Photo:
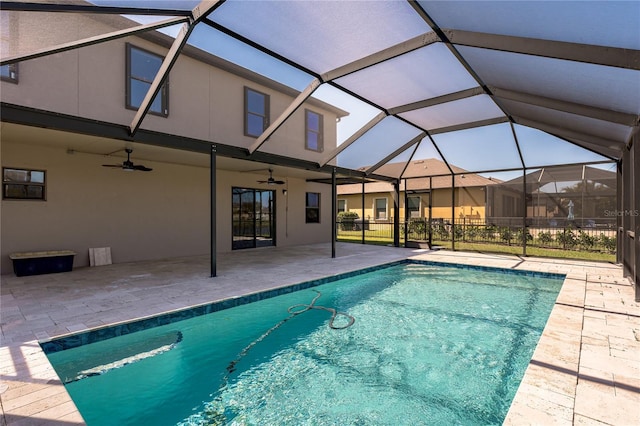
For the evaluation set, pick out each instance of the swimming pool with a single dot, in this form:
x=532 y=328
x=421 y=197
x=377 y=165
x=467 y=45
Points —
x=431 y=344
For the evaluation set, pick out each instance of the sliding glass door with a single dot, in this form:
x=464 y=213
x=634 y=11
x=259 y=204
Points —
x=253 y=218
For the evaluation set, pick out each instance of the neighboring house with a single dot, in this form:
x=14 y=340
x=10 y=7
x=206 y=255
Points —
x=57 y=195
x=576 y=195
x=469 y=193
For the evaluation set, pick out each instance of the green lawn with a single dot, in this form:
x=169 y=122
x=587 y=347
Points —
x=371 y=238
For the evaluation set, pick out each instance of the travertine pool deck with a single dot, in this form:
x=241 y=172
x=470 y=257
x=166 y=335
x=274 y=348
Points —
x=585 y=370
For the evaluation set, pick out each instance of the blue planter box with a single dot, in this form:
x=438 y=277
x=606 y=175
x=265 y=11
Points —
x=42 y=262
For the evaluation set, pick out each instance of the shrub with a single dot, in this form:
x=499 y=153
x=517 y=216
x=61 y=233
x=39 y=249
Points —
x=567 y=238
x=473 y=232
x=609 y=243
x=545 y=238
x=417 y=226
x=506 y=235
x=518 y=236
x=347 y=220
x=441 y=232
x=489 y=232
x=586 y=241
x=458 y=232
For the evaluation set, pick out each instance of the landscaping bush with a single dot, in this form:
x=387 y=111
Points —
x=609 y=243
x=441 y=232
x=473 y=232
x=545 y=238
x=586 y=241
x=347 y=220
x=518 y=236
x=489 y=232
x=506 y=235
x=567 y=238
x=458 y=232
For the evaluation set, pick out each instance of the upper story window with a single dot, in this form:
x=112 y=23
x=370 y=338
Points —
x=142 y=67
x=9 y=73
x=23 y=184
x=342 y=206
x=256 y=112
x=313 y=131
x=313 y=207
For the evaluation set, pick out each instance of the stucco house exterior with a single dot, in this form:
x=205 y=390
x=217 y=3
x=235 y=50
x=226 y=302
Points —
x=57 y=194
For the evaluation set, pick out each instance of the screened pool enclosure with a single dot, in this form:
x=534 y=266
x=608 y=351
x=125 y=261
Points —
x=521 y=92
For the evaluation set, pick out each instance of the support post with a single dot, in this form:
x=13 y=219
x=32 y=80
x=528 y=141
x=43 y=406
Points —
x=619 y=208
x=635 y=214
x=453 y=212
x=430 y=212
x=213 y=211
x=363 y=227
x=406 y=215
x=396 y=214
x=334 y=197
x=524 y=212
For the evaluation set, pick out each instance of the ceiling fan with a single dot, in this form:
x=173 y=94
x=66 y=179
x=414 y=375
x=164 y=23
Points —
x=271 y=180
x=128 y=165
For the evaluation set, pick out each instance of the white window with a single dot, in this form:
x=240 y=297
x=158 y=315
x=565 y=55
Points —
x=413 y=207
x=342 y=206
x=380 y=209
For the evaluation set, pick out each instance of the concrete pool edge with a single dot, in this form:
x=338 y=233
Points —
x=546 y=398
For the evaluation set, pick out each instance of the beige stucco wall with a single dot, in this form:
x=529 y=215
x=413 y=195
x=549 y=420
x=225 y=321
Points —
x=469 y=203
x=161 y=214
x=205 y=102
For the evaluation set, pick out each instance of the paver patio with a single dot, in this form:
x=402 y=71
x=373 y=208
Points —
x=585 y=369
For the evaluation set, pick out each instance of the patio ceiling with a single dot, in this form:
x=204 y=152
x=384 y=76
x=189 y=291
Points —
x=484 y=86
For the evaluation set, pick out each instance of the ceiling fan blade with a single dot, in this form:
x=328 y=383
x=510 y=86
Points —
x=279 y=182
x=141 y=168
x=112 y=165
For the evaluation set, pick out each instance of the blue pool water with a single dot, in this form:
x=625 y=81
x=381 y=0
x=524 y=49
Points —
x=430 y=344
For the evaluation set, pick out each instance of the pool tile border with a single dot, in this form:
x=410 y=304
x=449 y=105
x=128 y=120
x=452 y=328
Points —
x=110 y=331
